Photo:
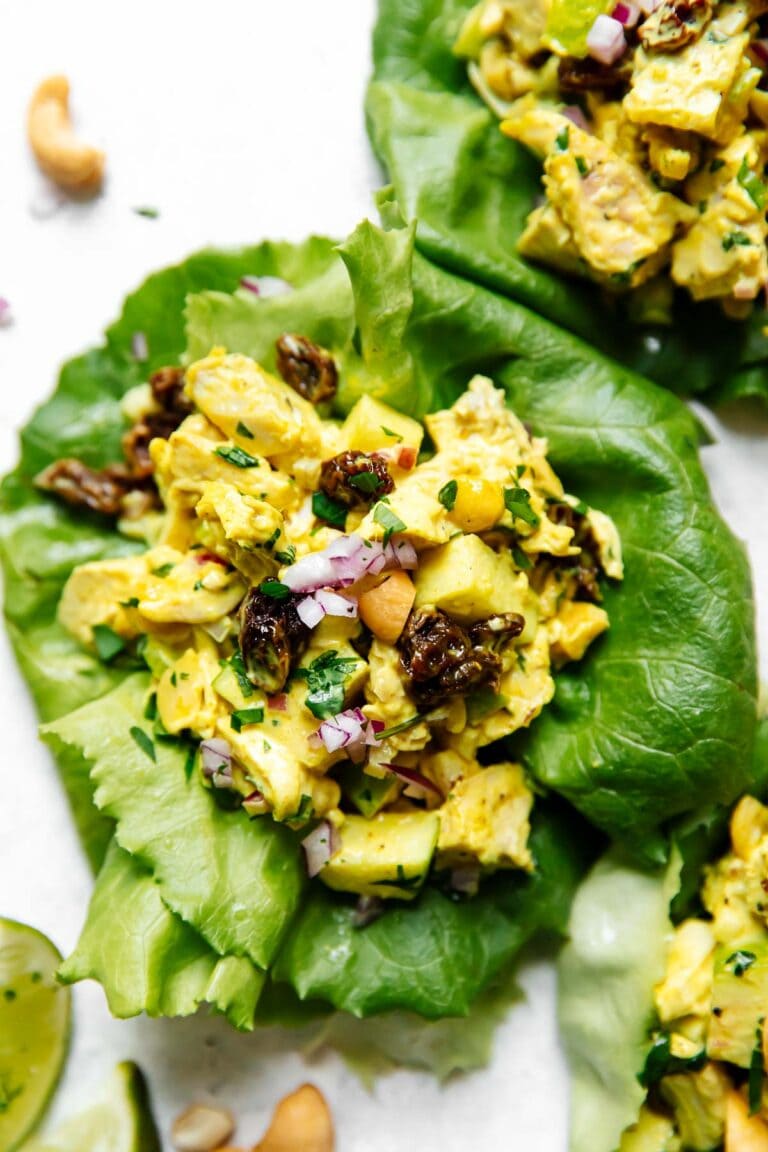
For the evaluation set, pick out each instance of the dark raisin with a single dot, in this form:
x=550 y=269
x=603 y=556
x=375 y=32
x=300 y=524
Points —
x=440 y=660
x=167 y=386
x=355 y=479
x=674 y=24
x=585 y=567
x=156 y=425
x=272 y=637
x=588 y=75
x=495 y=633
x=306 y=367
x=80 y=486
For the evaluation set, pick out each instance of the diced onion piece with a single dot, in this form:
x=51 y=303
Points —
x=216 y=755
x=265 y=286
x=219 y=629
x=310 y=573
x=400 y=553
x=627 y=12
x=319 y=846
x=372 y=730
x=411 y=776
x=466 y=879
x=573 y=113
x=605 y=40
x=367 y=909
x=334 y=605
x=310 y=612
x=345 y=730
x=759 y=48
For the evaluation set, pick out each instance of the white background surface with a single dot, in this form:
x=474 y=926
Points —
x=237 y=121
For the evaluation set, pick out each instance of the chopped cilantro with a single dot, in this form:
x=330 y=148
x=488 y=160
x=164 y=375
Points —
x=143 y=741
x=150 y=709
x=447 y=494
x=244 y=716
x=173 y=679
x=274 y=589
x=520 y=470
x=198 y=586
x=108 y=643
x=702 y=206
x=184 y=676
x=236 y=456
x=561 y=140
x=163 y=571
x=287 y=556
x=660 y=1062
x=389 y=432
x=388 y=520
x=237 y=665
x=738 y=962
x=326 y=677
x=366 y=482
x=267 y=746
x=189 y=763
x=244 y=431
x=716 y=164
x=520 y=558
x=273 y=539
x=330 y=510
x=582 y=165
x=517 y=501
x=147 y=212
x=756 y=1070
x=752 y=185
x=736 y=240
x=482 y=703
x=132 y=603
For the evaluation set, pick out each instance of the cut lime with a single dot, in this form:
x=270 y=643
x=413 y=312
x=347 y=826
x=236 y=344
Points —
x=34 y=1029
x=121 y=1122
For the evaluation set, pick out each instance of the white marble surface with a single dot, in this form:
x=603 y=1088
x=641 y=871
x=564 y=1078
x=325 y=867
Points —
x=237 y=121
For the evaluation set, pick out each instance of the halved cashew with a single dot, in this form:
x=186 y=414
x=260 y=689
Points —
x=300 y=1123
x=69 y=163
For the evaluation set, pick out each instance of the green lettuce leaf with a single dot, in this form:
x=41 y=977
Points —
x=148 y=960
x=615 y=954
x=237 y=882
x=660 y=713
x=471 y=189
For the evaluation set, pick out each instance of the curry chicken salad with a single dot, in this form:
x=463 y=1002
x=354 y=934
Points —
x=337 y=620
x=650 y=118
x=705 y=1070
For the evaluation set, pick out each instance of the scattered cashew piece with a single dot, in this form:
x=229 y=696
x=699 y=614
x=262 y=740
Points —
x=743 y=1133
x=69 y=162
x=201 y=1128
x=386 y=607
x=301 y=1122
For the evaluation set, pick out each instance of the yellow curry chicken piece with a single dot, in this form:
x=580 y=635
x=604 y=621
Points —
x=321 y=718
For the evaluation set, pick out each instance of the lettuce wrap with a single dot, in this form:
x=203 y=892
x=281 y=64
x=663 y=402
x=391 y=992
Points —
x=471 y=190
x=194 y=904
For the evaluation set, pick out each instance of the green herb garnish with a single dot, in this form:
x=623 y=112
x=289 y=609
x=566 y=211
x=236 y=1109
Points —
x=144 y=742
x=388 y=521
x=561 y=140
x=447 y=494
x=366 y=482
x=752 y=185
x=132 y=603
x=401 y=727
x=150 y=709
x=244 y=716
x=147 y=212
x=582 y=165
x=330 y=510
x=739 y=962
x=660 y=1062
x=236 y=456
x=756 y=1070
x=108 y=643
x=287 y=556
x=237 y=665
x=520 y=558
x=244 y=431
x=517 y=501
x=163 y=571
x=326 y=677
x=274 y=589
x=716 y=164
x=736 y=240
x=389 y=432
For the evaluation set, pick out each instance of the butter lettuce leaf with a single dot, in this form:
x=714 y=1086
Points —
x=236 y=881
x=148 y=960
x=471 y=189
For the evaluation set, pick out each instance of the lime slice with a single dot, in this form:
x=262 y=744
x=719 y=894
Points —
x=34 y=1029
x=121 y=1122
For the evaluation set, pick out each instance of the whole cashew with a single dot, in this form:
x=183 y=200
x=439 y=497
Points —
x=69 y=163
x=300 y=1123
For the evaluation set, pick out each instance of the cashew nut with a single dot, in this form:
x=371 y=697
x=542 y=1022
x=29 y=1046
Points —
x=69 y=163
x=300 y=1123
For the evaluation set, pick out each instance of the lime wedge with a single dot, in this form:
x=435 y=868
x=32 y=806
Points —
x=34 y=1029
x=121 y=1122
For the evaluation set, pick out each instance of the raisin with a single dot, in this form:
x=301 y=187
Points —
x=306 y=367
x=588 y=75
x=496 y=632
x=167 y=386
x=272 y=637
x=674 y=24
x=80 y=486
x=585 y=567
x=440 y=659
x=355 y=479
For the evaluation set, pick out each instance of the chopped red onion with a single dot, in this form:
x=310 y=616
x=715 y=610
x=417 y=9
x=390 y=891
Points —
x=210 y=558
x=139 y=346
x=6 y=319
x=400 y=553
x=605 y=40
x=278 y=703
x=367 y=909
x=216 y=757
x=320 y=846
x=266 y=286
x=310 y=573
x=411 y=776
x=372 y=730
x=310 y=612
x=254 y=797
x=466 y=879
x=345 y=730
x=627 y=12
x=573 y=113
x=760 y=50
x=334 y=605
